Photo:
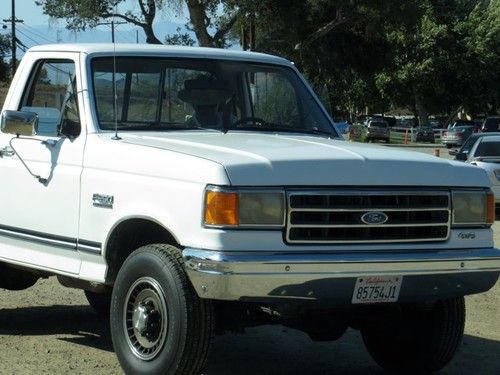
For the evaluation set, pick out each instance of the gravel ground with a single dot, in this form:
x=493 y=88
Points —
x=49 y=329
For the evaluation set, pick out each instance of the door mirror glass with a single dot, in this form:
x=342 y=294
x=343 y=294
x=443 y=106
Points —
x=19 y=123
x=461 y=156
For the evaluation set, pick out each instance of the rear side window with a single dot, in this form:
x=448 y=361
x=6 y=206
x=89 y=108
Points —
x=52 y=95
x=491 y=125
x=488 y=149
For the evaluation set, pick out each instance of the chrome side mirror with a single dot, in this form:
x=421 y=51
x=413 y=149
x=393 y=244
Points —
x=19 y=123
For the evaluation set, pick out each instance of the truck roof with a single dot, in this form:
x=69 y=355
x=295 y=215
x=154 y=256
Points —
x=160 y=50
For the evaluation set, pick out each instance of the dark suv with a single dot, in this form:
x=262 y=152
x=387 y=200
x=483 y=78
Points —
x=378 y=129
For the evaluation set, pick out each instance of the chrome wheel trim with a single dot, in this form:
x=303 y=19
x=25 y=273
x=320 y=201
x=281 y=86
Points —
x=145 y=318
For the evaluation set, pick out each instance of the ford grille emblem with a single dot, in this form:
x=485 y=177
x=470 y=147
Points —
x=374 y=218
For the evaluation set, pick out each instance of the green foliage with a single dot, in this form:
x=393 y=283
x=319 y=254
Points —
x=179 y=39
x=4 y=50
x=428 y=56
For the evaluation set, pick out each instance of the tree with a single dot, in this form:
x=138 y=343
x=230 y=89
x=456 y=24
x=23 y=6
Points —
x=4 y=48
x=337 y=44
x=204 y=16
x=180 y=38
x=423 y=62
x=481 y=44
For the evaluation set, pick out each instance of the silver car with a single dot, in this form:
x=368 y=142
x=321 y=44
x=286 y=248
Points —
x=486 y=154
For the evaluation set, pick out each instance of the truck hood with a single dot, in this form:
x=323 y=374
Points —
x=268 y=159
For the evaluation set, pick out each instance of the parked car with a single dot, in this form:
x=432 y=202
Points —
x=461 y=123
x=456 y=136
x=463 y=153
x=425 y=134
x=405 y=123
x=343 y=126
x=435 y=123
x=491 y=124
x=378 y=129
x=485 y=153
x=361 y=119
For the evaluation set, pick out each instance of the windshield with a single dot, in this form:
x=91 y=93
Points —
x=182 y=94
x=469 y=143
x=378 y=125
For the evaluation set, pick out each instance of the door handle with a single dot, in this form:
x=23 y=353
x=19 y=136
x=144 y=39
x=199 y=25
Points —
x=7 y=151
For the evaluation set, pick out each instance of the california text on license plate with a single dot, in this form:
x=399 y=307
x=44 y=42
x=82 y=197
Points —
x=376 y=289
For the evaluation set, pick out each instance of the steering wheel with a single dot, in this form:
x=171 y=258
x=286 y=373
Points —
x=255 y=120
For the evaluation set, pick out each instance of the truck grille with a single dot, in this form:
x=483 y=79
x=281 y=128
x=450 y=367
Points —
x=361 y=216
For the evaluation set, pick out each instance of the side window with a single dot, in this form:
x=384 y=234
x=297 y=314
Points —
x=52 y=95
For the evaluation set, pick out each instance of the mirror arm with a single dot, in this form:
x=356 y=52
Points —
x=39 y=178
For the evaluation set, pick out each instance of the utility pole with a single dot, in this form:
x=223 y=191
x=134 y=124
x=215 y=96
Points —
x=112 y=23
x=13 y=20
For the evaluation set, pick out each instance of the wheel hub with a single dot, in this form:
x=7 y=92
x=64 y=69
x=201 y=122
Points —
x=145 y=318
x=146 y=321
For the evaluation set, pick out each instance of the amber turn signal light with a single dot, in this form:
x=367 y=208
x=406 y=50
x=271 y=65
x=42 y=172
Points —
x=221 y=208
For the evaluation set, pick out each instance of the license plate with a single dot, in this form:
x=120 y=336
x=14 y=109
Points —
x=376 y=289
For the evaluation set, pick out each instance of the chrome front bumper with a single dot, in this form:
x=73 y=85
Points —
x=268 y=276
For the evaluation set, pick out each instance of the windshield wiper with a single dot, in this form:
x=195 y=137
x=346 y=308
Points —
x=156 y=126
x=284 y=129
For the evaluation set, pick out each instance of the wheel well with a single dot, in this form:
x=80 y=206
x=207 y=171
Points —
x=129 y=236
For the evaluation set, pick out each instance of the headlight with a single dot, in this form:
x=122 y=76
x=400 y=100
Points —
x=244 y=208
x=475 y=208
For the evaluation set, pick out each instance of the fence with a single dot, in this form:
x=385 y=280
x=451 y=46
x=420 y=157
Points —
x=398 y=135
x=403 y=135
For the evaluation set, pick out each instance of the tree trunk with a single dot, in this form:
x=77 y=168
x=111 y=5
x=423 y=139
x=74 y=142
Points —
x=423 y=114
x=198 y=17
x=150 y=35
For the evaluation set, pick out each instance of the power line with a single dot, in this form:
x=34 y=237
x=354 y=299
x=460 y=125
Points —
x=30 y=38
x=13 y=20
x=124 y=35
x=112 y=23
x=29 y=29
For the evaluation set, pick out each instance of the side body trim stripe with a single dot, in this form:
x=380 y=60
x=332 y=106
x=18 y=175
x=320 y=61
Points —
x=50 y=239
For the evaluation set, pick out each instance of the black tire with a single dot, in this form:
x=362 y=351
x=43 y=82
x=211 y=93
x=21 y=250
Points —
x=419 y=341
x=100 y=302
x=153 y=291
x=448 y=146
x=16 y=279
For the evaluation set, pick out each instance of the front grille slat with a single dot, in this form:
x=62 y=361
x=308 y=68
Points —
x=326 y=217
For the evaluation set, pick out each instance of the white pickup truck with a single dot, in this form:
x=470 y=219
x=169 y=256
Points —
x=191 y=191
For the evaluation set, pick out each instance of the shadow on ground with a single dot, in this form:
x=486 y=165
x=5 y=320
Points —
x=276 y=350
x=77 y=324
x=265 y=350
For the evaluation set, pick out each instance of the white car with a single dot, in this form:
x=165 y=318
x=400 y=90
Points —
x=486 y=154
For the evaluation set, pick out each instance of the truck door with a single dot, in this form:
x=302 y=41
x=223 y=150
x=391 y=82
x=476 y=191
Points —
x=39 y=219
